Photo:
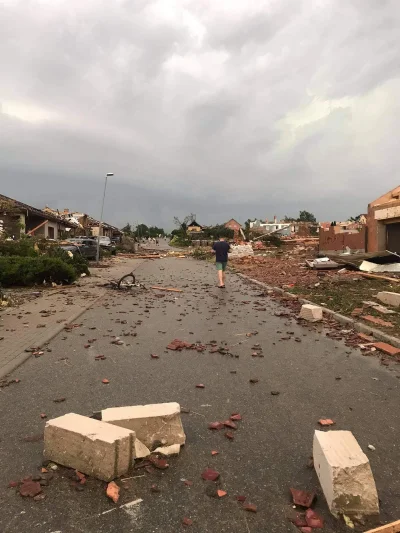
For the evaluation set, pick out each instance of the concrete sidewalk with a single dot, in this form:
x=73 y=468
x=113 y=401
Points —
x=35 y=323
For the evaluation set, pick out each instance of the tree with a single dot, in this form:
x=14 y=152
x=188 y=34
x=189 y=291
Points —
x=289 y=219
x=355 y=219
x=216 y=232
x=127 y=230
x=305 y=216
x=141 y=231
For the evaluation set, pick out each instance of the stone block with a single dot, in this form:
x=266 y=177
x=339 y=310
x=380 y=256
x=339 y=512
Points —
x=90 y=446
x=389 y=298
x=345 y=474
x=311 y=313
x=154 y=423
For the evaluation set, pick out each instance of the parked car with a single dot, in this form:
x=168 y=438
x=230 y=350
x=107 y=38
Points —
x=85 y=246
x=107 y=244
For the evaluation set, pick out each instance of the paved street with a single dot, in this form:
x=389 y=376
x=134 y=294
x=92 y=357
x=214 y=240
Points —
x=272 y=444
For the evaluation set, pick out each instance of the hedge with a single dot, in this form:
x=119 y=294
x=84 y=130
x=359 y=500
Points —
x=34 y=270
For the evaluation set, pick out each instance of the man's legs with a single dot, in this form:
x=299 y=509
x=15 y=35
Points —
x=221 y=277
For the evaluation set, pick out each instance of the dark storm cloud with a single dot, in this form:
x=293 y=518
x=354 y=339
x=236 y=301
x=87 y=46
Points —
x=224 y=108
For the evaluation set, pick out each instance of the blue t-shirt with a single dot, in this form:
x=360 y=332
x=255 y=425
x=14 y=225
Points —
x=221 y=251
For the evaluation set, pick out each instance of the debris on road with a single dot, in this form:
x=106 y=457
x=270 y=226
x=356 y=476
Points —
x=30 y=488
x=302 y=497
x=345 y=475
x=168 y=289
x=160 y=422
x=326 y=422
x=311 y=313
x=187 y=522
x=210 y=475
x=113 y=491
x=89 y=446
x=168 y=451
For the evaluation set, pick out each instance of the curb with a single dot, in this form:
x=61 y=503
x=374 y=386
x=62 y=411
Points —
x=358 y=326
x=24 y=356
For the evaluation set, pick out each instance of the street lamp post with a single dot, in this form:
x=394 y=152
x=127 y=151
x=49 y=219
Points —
x=108 y=175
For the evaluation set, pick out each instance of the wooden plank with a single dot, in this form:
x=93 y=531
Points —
x=167 y=289
x=375 y=276
x=393 y=527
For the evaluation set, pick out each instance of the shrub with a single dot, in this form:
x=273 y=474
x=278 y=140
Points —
x=78 y=262
x=21 y=248
x=34 y=270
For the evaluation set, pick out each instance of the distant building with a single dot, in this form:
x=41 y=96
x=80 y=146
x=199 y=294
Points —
x=86 y=225
x=280 y=228
x=17 y=218
x=235 y=226
x=193 y=227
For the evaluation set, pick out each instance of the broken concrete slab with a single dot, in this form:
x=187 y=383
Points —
x=140 y=450
x=311 y=313
x=389 y=298
x=160 y=422
x=345 y=474
x=168 y=451
x=90 y=446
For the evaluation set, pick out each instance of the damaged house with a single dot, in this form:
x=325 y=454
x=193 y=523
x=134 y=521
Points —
x=17 y=218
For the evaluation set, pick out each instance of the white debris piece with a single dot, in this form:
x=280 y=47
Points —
x=389 y=298
x=311 y=313
x=345 y=474
x=241 y=250
x=141 y=450
x=169 y=451
x=160 y=422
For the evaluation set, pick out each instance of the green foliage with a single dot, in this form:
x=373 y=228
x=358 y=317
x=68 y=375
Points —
x=201 y=254
x=34 y=270
x=22 y=248
x=180 y=241
x=127 y=229
x=216 y=232
x=144 y=231
x=304 y=216
x=78 y=263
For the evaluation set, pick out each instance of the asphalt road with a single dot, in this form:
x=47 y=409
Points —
x=271 y=447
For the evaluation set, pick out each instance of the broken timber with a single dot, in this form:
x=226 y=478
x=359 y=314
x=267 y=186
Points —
x=167 y=289
x=393 y=527
x=375 y=276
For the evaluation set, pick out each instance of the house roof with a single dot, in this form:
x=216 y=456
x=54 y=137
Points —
x=36 y=211
x=193 y=223
x=233 y=220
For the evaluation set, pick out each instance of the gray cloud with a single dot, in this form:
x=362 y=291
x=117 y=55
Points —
x=224 y=108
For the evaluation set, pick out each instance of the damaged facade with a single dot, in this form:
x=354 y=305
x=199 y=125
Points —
x=17 y=218
x=384 y=222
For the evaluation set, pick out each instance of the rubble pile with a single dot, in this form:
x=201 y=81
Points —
x=241 y=250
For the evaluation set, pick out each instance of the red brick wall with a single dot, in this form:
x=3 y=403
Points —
x=233 y=225
x=333 y=241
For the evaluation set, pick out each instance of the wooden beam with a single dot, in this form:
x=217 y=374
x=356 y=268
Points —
x=393 y=527
x=375 y=276
x=37 y=227
x=167 y=289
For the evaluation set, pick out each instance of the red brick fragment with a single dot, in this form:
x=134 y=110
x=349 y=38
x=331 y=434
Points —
x=313 y=520
x=216 y=425
x=230 y=424
x=229 y=435
x=367 y=338
x=387 y=348
x=241 y=498
x=325 y=422
x=378 y=321
x=236 y=416
x=30 y=488
x=302 y=497
x=251 y=508
x=187 y=522
x=210 y=475
x=200 y=386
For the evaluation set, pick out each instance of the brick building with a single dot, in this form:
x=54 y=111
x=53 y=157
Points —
x=235 y=226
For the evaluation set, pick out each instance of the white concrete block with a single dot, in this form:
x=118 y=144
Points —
x=141 y=450
x=155 y=422
x=312 y=313
x=92 y=447
x=345 y=474
x=389 y=298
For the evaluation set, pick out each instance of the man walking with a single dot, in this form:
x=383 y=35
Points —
x=221 y=249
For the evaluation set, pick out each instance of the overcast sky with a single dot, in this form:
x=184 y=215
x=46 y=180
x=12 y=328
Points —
x=224 y=108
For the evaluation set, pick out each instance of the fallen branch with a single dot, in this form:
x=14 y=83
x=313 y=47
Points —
x=167 y=289
x=393 y=527
x=375 y=276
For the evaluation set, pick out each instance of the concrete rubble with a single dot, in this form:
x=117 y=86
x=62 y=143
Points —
x=90 y=446
x=106 y=448
x=345 y=475
x=241 y=250
x=311 y=313
x=155 y=423
x=389 y=298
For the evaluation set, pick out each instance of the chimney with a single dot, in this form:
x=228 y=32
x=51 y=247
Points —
x=274 y=219
x=66 y=211
x=266 y=220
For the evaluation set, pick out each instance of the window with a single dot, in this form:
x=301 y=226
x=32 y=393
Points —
x=50 y=232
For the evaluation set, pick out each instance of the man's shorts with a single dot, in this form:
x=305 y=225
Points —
x=221 y=266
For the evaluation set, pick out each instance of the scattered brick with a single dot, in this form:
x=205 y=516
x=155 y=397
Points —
x=387 y=348
x=377 y=321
